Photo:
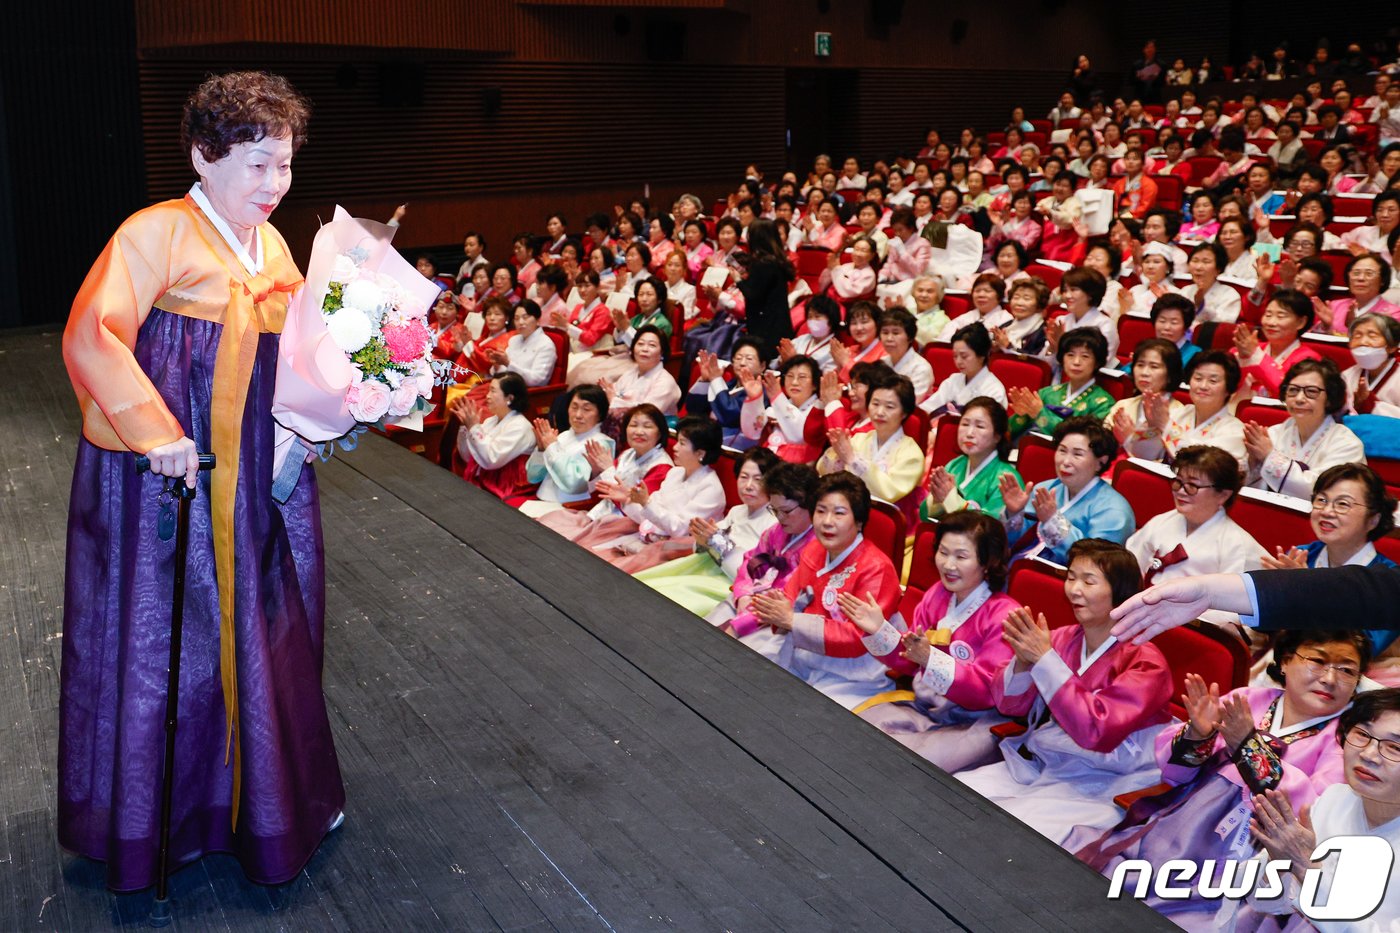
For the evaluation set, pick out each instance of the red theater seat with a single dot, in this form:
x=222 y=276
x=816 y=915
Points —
x=885 y=529
x=1146 y=485
x=1039 y=585
x=1035 y=460
x=1273 y=520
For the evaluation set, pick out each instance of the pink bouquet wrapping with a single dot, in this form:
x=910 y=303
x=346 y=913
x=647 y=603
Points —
x=355 y=347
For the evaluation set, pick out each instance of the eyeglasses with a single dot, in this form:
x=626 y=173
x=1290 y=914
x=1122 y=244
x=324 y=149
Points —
x=1340 y=506
x=1188 y=487
x=1360 y=738
x=1345 y=672
x=782 y=513
x=1310 y=392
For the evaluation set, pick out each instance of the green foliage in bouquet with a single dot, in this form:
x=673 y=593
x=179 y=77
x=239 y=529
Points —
x=373 y=358
x=333 y=301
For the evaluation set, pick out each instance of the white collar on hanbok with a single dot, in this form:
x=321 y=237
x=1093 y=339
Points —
x=252 y=264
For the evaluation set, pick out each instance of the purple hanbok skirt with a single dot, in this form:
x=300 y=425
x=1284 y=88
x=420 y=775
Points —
x=116 y=638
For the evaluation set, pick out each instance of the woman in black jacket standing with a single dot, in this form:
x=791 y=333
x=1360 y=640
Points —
x=765 y=289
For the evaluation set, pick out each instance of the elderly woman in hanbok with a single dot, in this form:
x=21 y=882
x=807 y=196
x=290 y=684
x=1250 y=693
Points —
x=654 y=527
x=953 y=649
x=646 y=380
x=565 y=464
x=1371 y=384
x=1212 y=377
x=1263 y=364
x=1156 y=371
x=1367 y=804
x=1288 y=456
x=823 y=332
x=821 y=644
x=792 y=422
x=1198 y=536
x=643 y=460
x=1027 y=300
x=650 y=298
x=863 y=326
x=1077 y=503
x=1251 y=740
x=1368 y=278
x=972 y=479
x=491 y=452
x=701 y=581
x=888 y=461
x=1351 y=510
x=1080 y=354
x=791 y=490
x=172 y=347
x=1214 y=300
x=972 y=350
x=1094 y=705
x=588 y=323
x=1154 y=272
x=850 y=281
x=721 y=399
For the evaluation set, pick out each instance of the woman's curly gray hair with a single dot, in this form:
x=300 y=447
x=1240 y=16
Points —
x=242 y=107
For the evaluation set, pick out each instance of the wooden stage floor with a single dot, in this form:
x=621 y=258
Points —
x=530 y=741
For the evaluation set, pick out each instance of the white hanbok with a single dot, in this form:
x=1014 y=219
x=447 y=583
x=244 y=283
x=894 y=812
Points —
x=1294 y=465
x=957 y=390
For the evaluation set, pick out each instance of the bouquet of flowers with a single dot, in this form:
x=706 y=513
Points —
x=355 y=347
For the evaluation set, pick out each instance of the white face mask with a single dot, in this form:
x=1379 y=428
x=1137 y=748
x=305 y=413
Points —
x=818 y=328
x=1370 y=357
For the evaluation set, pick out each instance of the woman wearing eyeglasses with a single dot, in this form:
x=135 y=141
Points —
x=1249 y=741
x=1367 y=804
x=1198 y=536
x=1286 y=457
x=1350 y=511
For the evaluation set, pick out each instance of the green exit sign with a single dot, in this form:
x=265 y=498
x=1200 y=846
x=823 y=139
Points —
x=823 y=42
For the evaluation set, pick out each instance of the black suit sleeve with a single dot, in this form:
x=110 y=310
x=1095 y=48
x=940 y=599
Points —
x=1335 y=598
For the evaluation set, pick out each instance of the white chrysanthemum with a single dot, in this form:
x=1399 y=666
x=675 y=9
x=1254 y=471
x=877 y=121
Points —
x=365 y=295
x=394 y=376
x=344 y=269
x=349 y=328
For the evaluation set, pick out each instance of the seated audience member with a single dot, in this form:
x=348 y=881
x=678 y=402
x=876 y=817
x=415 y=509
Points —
x=1027 y=300
x=1080 y=355
x=1288 y=316
x=635 y=269
x=1082 y=291
x=1095 y=705
x=678 y=290
x=847 y=411
x=1367 y=276
x=953 y=648
x=1198 y=536
x=1154 y=271
x=1249 y=741
x=600 y=260
x=495 y=336
x=1258 y=192
x=1212 y=377
x=1161 y=226
x=491 y=453
x=1008 y=261
x=722 y=400
x=1351 y=510
x=727 y=243
x=1288 y=456
x=1077 y=503
x=854 y=280
x=791 y=491
x=529 y=353
x=1374 y=237
x=655 y=526
x=701 y=581
x=897 y=332
x=1106 y=259
x=1172 y=316
x=696 y=248
x=972 y=346
x=1017 y=225
x=907 y=256
x=1134 y=193
x=887 y=460
x=505 y=285
x=863 y=325
x=924 y=301
x=551 y=288
x=1204 y=225
x=1214 y=301
x=563 y=465
x=588 y=322
x=972 y=479
x=823 y=331
x=1365 y=805
x=791 y=422
x=527 y=249
x=450 y=335
x=1063 y=230
x=1371 y=384
x=643 y=460
x=645 y=380
x=1156 y=371
x=987 y=293
x=650 y=298
x=822 y=645
x=660 y=230
x=824 y=229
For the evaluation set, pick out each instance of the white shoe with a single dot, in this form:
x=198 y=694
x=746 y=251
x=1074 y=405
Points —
x=338 y=822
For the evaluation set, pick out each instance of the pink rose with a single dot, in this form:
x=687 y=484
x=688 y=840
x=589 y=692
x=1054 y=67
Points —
x=372 y=402
x=402 y=400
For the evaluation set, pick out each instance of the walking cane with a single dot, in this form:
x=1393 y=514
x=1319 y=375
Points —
x=184 y=494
